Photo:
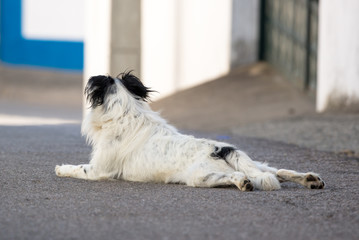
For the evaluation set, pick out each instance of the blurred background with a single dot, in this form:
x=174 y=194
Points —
x=216 y=64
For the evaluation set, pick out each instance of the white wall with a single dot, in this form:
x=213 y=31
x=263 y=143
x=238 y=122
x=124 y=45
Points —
x=53 y=19
x=338 y=56
x=245 y=32
x=97 y=38
x=184 y=42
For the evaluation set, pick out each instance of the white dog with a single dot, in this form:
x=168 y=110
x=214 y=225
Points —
x=133 y=143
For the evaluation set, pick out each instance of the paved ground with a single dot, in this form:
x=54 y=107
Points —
x=35 y=204
x=248 y=95
x=256 y=101
x=30 y=96
x=326 y=132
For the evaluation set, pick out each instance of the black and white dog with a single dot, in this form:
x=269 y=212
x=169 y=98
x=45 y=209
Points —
x=133 y=143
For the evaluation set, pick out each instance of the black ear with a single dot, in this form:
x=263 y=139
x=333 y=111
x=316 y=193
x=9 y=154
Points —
x=134 y=85
x=96 y=89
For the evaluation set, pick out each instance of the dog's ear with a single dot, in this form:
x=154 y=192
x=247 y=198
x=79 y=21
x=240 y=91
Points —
x=96 y=89
x=134 y=85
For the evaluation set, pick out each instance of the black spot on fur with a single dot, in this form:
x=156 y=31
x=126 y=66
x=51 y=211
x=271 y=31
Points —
x=85 y=171
x=96 y=89
x=222 y=153
x=134 y=86
x=205 y=179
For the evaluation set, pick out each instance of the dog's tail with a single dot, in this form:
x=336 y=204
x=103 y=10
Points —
x=265 y=181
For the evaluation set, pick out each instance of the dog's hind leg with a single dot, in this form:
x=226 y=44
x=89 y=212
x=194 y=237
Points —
x=83 y=171
x=217 y=179
x=310 y=180
x=215 y=174
x=241 y=162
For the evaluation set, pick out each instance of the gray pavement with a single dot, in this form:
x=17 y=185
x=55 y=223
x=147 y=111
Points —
x=30 y=94
x=326 y=132
x=35 y=204
x=248 y=95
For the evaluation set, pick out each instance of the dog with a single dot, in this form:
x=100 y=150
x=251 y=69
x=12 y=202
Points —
x=132 y=142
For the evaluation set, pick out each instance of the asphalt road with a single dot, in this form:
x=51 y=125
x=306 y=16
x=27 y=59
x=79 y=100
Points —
x=35 y=204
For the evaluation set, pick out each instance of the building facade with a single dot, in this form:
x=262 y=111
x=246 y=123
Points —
x=176 y=44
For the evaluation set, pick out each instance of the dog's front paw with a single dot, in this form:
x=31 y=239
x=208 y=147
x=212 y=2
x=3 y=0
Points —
x=313 y=181
x=59 y=171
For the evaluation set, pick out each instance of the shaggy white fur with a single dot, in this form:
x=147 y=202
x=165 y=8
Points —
x=132 y=142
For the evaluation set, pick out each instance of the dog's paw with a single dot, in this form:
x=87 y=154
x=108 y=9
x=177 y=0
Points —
x=58 y=171
x=313 y=181
x=245 y=185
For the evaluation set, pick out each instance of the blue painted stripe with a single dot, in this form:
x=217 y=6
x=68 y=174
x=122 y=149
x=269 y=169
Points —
x=17 y=50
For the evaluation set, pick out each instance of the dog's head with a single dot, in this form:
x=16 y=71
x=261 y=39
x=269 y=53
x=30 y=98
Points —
x=105 y=90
